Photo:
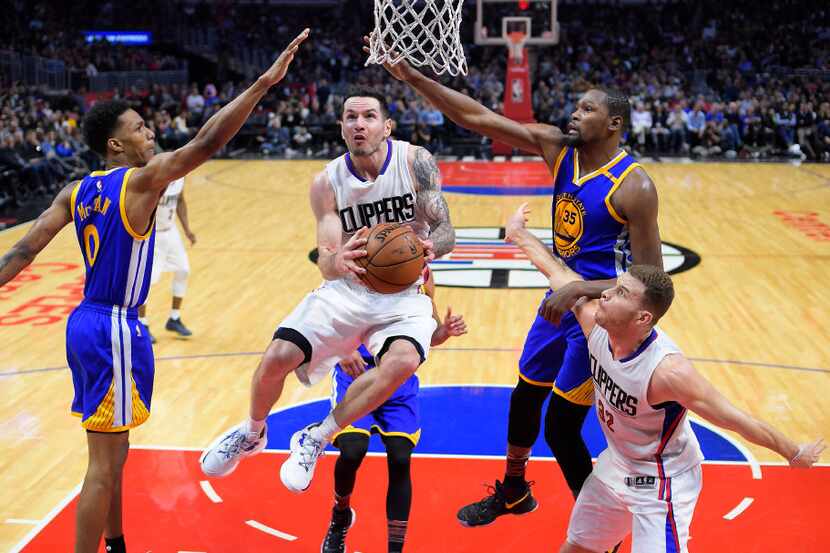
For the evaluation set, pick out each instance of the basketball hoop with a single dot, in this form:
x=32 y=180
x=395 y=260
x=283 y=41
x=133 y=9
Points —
x=516 y=42
x=424 y=32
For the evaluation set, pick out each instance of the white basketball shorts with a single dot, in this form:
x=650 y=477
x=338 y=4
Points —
x=656 y=512
x=333 y=320
x=169 y=255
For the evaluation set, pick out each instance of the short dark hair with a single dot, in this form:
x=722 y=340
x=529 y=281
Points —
x=618 y=105
x=100 y=122
x=659 y=291
x=356 y=91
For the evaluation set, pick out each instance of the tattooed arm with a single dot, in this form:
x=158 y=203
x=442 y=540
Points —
x=430 y=205
x=50 y=222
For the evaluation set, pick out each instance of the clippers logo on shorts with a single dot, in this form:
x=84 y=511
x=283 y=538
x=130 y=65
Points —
x=568 y=224
x=641 y=482
x=396 y=209
x=481 y=259
x=615 y=395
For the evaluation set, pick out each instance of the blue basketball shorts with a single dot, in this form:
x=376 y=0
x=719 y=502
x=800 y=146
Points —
x=557 y=356
x=111 y=359
x=397 y=416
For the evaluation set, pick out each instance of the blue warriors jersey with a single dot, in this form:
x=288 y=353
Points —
x=588 y=233
x=107 y=348
x=592 y=238
x=118 y=259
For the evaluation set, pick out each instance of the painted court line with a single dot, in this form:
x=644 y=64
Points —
x=754 y=465
x=209 y=491
x=46 y=520
x=739 y=508
x=269 y=530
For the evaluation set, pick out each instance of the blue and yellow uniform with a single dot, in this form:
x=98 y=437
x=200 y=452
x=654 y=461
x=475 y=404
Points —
x=592 y=239
x=397 y=416
x=108 y=350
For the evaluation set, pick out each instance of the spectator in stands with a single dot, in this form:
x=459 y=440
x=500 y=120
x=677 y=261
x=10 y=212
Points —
x=641 y=123
x=195 y=101
x=806 y=129
x=678 y=122
x=660 y=131
x=696 y=125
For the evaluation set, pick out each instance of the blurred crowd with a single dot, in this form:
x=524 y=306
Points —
x=707 y=79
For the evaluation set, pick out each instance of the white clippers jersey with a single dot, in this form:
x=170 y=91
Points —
x=642 y=440
x=388 y=199
x=166 y=211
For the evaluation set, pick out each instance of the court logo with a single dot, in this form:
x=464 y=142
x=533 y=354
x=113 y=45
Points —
x=568 y=224
x=481 y=259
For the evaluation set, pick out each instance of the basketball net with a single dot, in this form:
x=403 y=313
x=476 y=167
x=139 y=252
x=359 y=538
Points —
x=424 y=32
x=516 y=43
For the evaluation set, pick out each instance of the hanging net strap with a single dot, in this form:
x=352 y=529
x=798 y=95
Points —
x=424 y=32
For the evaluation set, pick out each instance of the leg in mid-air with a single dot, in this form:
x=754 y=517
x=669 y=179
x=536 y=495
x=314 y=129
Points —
x=398 y=360
x=250 y=437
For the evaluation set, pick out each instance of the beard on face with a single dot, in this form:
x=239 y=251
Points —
x=573 y=140
x=365 y=150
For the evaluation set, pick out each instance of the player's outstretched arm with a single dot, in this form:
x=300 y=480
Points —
x=543 y=140
x=676 y=379
x=46 y=226
x=336 y=259
x=430 y=205
x=218 y=130
x=553 y=267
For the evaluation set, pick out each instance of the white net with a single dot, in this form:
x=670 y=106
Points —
x=424 y=32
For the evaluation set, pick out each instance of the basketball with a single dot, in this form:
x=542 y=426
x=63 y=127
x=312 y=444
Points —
x=394 y=258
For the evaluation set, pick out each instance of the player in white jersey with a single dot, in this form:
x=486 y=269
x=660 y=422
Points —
x=169 y=255
x=378 y=180
x=647 y=481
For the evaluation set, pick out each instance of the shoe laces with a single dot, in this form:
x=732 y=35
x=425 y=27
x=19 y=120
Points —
x=235 y=443
x=310 y=450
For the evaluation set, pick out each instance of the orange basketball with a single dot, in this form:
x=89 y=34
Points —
x=394 y=259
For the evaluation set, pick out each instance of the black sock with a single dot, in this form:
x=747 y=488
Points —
x=514 y=476
x=396 y=530
x=115 y=545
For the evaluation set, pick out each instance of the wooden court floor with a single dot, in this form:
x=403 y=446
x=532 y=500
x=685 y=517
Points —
x=754 y=312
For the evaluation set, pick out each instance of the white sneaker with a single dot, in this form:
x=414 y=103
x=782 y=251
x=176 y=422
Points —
x=298 y=470
x=222 y=456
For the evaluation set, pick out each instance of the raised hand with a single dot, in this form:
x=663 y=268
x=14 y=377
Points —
x=277 y=71
x=516 y=222
x=401 y=70
x=455 y=324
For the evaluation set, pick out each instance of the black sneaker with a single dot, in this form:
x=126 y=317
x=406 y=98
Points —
x=486 y=511
x=176 y=325
x=341 y=521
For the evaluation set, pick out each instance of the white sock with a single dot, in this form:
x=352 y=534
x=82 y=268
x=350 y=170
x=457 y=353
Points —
x=174 y=314
x=326 y=430
x=144 y=321
x=254 y=426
